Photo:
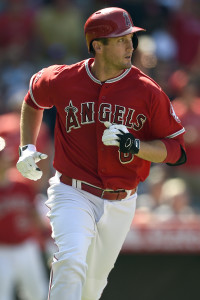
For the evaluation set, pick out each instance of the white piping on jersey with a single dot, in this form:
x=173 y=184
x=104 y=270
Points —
x=31 y=93
x=176 y=133
x=107 y=81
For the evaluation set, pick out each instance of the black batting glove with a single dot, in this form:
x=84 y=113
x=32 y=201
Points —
x=128 y=143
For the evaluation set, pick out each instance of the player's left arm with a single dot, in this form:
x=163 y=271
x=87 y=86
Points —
x=154 y=151
x=170 y=152
x=164 y=123
x=157 y=151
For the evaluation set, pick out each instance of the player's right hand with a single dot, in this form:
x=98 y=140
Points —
x=26 y=164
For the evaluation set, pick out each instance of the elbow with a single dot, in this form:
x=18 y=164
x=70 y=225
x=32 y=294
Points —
x=182 y=160
x=176 y=154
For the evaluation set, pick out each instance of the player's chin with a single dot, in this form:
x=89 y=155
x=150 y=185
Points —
x=127 y=62
x=127 y=65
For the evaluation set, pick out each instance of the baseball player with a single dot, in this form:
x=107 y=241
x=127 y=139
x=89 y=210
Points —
x=112 y=122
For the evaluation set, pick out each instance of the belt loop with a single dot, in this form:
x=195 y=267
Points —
x=74 y=183
x=79 y=184
x=128 y=192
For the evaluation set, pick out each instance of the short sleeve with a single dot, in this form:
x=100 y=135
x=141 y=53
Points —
x=164 y=121
x=39 y=92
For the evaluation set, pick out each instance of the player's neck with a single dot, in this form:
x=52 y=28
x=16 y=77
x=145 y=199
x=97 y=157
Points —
x=102 y=72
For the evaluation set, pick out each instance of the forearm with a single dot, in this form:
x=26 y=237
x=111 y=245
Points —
x=30 y=123
x=154 y=151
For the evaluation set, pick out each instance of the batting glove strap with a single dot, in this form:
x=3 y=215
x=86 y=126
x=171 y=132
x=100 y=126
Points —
x=128 y=143
x=28 y=147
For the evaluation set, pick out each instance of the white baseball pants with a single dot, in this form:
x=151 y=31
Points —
x=89 y=233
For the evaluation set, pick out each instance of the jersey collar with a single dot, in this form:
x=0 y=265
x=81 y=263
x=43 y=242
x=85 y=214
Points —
x=87 y=63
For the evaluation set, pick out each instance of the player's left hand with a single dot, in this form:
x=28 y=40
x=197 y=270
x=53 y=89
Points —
x=110 y=136
x=118 y=135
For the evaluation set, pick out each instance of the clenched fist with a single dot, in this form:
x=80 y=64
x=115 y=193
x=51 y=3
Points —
x=118 y=135
x=110 y=136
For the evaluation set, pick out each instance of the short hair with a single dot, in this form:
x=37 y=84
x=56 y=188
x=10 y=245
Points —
x=104 y=41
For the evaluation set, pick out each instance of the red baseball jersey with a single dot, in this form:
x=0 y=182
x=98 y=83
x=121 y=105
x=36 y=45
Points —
x=16 y=204
x=83 y=104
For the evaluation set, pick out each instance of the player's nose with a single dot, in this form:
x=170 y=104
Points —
x=130 y=45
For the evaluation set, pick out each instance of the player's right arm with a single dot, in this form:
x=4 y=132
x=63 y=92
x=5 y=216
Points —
x=33 y=106
x=30 y=123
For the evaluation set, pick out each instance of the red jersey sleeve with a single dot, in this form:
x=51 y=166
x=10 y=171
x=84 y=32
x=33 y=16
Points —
x=164 y=122
x=167 y=126
x=40 y=91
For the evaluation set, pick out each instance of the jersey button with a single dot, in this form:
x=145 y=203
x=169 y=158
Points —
x=103 y=97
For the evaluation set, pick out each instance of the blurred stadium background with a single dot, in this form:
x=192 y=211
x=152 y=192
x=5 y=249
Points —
x=160 y=257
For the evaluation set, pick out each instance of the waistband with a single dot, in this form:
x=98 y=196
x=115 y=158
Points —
x=106 y=194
